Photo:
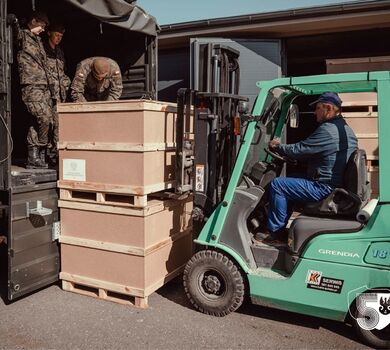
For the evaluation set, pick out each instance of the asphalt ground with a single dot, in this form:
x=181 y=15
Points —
x=55 y=319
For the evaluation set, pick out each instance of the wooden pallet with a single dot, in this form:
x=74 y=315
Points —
x=98 y=197
x=114 y=292
x=105 y=294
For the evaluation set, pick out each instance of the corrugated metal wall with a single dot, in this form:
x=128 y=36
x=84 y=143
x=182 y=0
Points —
x=259 y=60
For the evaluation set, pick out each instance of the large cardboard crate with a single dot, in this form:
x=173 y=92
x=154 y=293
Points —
x=361 y=113
x=133 y=122
x=360 y=64
x=117 y=147
x=123 y=171
x=128 y=251
x=135 y=229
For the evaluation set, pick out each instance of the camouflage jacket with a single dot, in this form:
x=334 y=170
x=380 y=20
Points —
x=56 y=65
x=86 y=88
x=32 y=60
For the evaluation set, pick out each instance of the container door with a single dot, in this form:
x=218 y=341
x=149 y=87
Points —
x=5 y=104
x=5 y=140
x=33 y=251
x=29 y=253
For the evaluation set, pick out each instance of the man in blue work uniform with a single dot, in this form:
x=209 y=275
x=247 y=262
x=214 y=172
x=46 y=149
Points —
x=326 y=152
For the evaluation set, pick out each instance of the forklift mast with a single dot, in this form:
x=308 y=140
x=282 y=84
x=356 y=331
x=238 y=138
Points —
x=205 y=154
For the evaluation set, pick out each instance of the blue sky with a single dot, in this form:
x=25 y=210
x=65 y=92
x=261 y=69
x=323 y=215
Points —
x=175 y=11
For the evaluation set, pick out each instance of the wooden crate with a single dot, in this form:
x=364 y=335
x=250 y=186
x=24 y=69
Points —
x=99 y=124
x=138 y=173
x=126 y=251
x=136 y=230
x=117 y=147
x=361 y=114
x=125 y=273
x=361 y=64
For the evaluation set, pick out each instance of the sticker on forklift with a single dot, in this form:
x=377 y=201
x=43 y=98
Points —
x=73 y=169
x=315 y=280
x=199 y=178
x=373 y=309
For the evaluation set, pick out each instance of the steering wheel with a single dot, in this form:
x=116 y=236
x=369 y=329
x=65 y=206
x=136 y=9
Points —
x=279 y=157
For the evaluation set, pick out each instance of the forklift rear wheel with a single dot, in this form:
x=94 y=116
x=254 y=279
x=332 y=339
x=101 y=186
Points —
x=213 y=283
x=378 y=339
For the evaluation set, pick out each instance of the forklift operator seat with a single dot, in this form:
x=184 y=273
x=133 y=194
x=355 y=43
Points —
x=348 y=200
x=339 y=209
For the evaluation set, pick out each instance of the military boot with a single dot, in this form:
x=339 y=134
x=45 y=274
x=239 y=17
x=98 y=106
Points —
x=42 y=155
x=52 y=156
x=34 y=160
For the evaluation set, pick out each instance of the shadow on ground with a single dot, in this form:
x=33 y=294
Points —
x=174 y=292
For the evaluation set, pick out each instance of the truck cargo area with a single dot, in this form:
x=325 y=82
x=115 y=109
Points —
x=29 y=216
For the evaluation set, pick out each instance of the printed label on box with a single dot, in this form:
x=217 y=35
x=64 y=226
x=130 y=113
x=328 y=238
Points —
x=73 y=169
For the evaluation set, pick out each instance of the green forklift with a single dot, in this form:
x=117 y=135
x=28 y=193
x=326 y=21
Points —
x=336 y=263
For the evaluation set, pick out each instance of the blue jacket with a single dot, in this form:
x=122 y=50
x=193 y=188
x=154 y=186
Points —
x=326 y=151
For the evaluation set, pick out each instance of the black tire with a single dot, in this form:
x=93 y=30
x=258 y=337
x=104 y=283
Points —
x=213 y=283
x=378 y=339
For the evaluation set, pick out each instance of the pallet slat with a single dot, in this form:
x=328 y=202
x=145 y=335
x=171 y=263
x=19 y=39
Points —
x=76 y=188
x=104 y=294
x=125 y=200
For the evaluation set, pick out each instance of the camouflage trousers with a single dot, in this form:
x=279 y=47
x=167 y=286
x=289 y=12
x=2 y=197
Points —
x=43 y=128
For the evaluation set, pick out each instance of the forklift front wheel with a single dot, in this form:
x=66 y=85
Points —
x=213 y=283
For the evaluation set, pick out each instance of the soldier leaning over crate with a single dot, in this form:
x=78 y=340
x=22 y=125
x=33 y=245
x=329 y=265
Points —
x=56 y=63
x=97 y=79
x=37 y=88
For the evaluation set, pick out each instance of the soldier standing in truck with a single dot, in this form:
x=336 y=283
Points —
x=97 y=79
x=37 y=88
x=56 y=63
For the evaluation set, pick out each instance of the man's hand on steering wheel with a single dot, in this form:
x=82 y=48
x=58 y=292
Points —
x=272 y=151
x=273 y=144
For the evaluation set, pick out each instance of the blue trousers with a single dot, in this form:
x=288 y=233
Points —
x=285 y=189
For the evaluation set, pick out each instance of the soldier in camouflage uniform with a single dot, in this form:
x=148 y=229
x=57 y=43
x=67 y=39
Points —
x=56 y=61
x=97 y=79
x=36 y=85
x=56 y=64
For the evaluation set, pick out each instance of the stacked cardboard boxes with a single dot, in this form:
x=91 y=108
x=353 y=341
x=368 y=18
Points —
x=118 y=241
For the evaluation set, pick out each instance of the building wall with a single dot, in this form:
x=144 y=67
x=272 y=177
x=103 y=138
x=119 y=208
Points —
x=259 y=60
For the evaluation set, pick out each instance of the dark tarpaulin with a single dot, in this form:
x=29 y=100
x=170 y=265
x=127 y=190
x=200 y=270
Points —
x=121 y=13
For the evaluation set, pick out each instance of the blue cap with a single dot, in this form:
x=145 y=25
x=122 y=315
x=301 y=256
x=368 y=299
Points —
x=329 y=97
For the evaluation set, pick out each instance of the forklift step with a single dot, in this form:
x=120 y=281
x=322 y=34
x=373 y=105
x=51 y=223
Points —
x=269 y=256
